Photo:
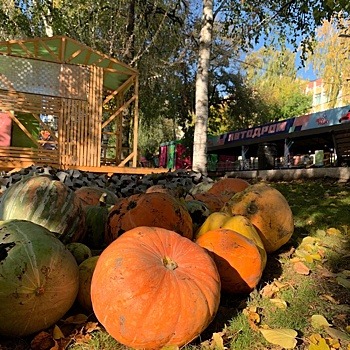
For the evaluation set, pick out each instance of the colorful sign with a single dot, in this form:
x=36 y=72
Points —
x=257 y=132
x=305 y=122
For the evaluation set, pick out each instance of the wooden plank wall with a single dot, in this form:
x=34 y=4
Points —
x=80 y=126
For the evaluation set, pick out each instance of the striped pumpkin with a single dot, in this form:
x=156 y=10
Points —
x=39 y=278
x=47 y=202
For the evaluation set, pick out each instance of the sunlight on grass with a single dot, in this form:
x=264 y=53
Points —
x=100 y=340
x=321 y=241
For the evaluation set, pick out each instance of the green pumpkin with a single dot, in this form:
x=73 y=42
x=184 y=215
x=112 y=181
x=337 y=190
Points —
x=39 y=278
x=80 y=251
x=86 y=270
x=96 y=219
x=47 y=202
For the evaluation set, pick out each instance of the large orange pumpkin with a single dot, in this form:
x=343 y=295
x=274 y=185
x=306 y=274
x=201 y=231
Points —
x=268 y=210
x=228 y=186
x=237 y=258
x=152 y=288
x=154 y=209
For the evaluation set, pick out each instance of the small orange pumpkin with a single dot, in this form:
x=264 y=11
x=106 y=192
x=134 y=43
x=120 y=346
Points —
x=228 y=186
x=237 y=258
x=152 y=288
x=268 y=210
x=154 y=209
x=212 y=201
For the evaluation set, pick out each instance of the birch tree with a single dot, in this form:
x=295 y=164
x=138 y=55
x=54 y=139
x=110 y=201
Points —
x=202 y=109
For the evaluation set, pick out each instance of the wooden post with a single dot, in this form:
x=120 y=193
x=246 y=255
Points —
x=136 y=121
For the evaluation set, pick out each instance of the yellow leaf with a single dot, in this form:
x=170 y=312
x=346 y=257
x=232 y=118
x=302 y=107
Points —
x=283 y=337
x=281 y=304
x=334 y=231
x=218 y=342
x=170 y=347
x=315 y=338
x=308 y=258
x=319 y=321
x=308 y=240
x=321 y=345
x=57 y=333
x=321 y=232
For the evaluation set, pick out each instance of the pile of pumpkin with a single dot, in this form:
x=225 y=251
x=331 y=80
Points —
x=160 y=265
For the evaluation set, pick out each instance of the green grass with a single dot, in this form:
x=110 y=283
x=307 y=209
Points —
x=322 y=211
x=316 y=207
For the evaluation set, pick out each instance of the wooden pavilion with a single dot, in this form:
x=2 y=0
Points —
x=76 y=95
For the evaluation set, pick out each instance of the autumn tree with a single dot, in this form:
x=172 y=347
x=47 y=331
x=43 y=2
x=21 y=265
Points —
x=247 y=21
x=330 y=60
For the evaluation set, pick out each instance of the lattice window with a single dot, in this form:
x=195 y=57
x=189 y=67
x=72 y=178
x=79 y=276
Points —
x=44 y=78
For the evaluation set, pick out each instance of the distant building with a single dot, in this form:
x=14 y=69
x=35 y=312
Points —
x=320 y=100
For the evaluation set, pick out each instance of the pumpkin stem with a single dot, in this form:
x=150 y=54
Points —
x=169 y=263
x=39 y=291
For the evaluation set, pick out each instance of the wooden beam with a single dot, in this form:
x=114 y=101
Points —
x=23 y=128
x=122 y=87
x=136 y=122
x=120 y=110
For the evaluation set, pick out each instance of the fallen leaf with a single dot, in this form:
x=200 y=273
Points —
x=57 y=333
x=321 y=345
x=329 y=298
x=333 y=231
x=91 y=327
x=315 y=338
x=337 y=334
x=301 y=268
x=319 y=321
x=42 y=341
x=343 y=282
x=283 y=337
x=325 y=272
x=344 y=274
x=320 y=232
x=218 y=341
x=76 y=319
x=308 y=240
x=281 y=304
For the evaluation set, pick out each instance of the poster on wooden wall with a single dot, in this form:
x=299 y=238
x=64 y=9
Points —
x=5 y=129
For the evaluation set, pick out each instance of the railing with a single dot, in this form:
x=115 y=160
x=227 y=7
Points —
x=14 y=157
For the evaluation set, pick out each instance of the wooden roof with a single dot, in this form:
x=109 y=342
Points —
x=61 y=49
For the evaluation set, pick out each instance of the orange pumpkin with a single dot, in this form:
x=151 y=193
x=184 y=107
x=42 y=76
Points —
x=212 y=201
x=237 y=258
x=268 y=210
x=238 y=223
x=153 y=288
x=148 y=209
x=228 y=186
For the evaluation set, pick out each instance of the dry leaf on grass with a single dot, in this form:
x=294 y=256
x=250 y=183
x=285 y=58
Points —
x=280 y=303
x=333 y=231
x=301 y=268
x=43 y=341
x=283 y=337
x=319 y=321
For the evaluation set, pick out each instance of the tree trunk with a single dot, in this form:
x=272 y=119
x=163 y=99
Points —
x=202 y=108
